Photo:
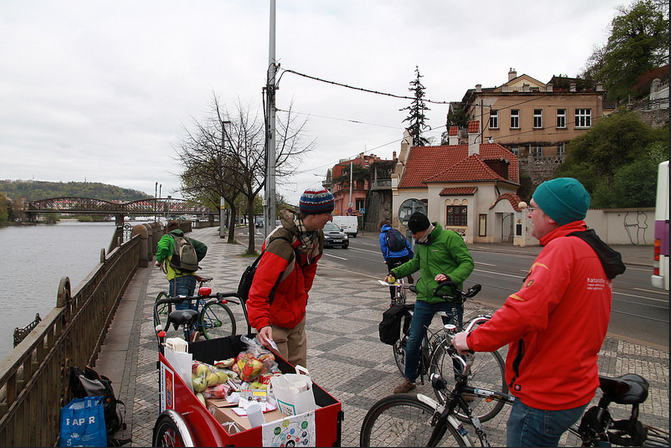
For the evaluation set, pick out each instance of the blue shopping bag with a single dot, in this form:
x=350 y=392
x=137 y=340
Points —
x=83 y=423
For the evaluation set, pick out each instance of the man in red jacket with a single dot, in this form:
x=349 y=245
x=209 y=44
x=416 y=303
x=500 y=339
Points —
x=279 y=292
x=555 y=325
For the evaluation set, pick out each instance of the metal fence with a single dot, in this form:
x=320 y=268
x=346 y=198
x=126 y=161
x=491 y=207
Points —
x=35 y=375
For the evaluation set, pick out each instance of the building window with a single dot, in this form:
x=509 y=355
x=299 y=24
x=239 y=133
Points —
x=538 y=118
x=515 y=118
x=360 y=204
x=482 y=227
x=561 y=118
x=457 y=215
x=494 y=119
x=561 y=149
x=583 y=118
x=537 y=151
x=515 y=150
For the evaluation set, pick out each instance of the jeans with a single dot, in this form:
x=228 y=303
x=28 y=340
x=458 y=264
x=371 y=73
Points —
x=528 y=426
x=183 y=286
x=422 y=317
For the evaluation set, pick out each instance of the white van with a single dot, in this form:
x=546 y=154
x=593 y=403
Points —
x=660 y=263
x=348 y=224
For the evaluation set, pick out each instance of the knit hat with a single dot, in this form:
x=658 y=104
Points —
x=563 y=199
x=316 y=201
x=418 y=222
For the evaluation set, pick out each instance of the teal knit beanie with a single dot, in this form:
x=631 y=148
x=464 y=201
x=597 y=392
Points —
x=563 y=199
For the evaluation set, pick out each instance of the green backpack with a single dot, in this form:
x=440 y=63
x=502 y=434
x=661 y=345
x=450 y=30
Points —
x=184 y=257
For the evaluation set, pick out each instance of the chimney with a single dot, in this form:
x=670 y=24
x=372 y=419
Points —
x=473 y=138
x=393 y=155
x=453 y=136
x=478 y=88
x=572 y=86
x=512 y=74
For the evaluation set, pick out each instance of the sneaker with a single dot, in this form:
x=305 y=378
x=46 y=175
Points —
x=405 y=386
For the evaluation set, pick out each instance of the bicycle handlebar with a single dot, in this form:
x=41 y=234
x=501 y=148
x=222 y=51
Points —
x=458 y=294
x=219 y=296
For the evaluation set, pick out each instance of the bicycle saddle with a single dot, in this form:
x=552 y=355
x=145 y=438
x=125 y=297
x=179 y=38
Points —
x=625 y=389
x=182 y=317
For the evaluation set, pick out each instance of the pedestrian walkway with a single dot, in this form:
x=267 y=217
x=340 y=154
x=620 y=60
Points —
x=345 y=355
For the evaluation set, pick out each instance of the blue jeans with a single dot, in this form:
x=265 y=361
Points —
x=183 y=286
x=421 y=318
x=528 y=426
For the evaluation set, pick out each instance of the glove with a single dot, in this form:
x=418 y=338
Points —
x=390 y=279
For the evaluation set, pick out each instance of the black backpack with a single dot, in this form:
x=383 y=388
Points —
x=395 y=240
x=184 y=256
x=89 y=383
x=390 y=327
x=248 y=277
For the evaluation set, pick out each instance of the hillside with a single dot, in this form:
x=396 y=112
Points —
x=35 y=190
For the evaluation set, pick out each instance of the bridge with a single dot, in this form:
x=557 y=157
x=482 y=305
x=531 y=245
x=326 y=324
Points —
x=144 y=207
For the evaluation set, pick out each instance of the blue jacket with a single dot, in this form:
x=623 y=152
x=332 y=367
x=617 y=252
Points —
x=386 y=252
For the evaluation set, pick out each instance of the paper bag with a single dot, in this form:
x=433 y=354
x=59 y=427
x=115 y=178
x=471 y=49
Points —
x=294 y=392
x=181 y=363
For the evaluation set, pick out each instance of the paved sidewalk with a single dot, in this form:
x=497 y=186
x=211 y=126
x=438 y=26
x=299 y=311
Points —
x=345 y=356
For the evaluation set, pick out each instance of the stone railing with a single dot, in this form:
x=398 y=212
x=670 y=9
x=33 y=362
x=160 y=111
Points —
x=34 y=377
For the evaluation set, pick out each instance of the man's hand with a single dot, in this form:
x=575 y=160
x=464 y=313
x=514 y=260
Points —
x=157 y=264
x=266 y=335
x=460 y=343
x=442 y=277
x=390 y=279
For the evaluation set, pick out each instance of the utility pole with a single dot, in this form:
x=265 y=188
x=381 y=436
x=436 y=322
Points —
x=351 y=169
x=270 y=199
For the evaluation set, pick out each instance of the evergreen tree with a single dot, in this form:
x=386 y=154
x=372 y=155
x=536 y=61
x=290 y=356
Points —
x=416 y=117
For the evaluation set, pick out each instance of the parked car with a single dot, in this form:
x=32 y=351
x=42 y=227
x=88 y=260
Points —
x=349 y=224
x=334 y=236
x=259 y=222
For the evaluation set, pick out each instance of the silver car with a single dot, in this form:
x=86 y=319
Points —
x=334 y=236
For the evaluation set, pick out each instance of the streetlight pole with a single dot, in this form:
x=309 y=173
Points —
x=270 y=197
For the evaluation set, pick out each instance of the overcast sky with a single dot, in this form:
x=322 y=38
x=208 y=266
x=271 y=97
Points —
x=102 y=91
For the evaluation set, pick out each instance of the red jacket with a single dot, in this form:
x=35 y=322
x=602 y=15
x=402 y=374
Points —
x=291 y=295
x=555 y=325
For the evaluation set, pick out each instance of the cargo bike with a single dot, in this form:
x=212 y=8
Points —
x=185 y=421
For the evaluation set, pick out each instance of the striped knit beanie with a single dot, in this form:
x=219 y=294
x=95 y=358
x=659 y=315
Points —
x=314 y=202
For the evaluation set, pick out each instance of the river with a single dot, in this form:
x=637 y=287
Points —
x=34 y=259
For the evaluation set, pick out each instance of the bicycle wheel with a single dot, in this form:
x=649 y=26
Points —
x=399 y=353
x=403 y=420
x=163 y=310
x=170 y=430
x=487 y=372
x=217 y=321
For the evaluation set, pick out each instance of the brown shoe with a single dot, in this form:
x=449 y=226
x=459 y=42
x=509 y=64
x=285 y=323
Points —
x=405 y=386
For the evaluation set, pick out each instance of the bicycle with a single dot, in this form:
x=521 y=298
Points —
x=409 y=420
x=211 y=318
x=487 y=372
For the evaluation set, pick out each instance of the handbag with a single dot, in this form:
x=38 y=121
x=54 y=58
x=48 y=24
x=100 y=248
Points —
x=83 y=423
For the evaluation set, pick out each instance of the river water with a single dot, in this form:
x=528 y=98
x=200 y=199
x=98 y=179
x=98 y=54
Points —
x=33 y=259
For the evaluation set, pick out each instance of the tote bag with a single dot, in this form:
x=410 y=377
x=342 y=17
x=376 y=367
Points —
x=83 y=423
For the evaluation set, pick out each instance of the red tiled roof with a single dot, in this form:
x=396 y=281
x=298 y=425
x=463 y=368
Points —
x=458 y=191
x=512 y=198
x=473 y=127
x=454 y=130
x=435 y=163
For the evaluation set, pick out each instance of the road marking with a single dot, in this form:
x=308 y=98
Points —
x=498 y=273
x=485 y=264
x=641 y=297
x=334 y=256
x=654 y=291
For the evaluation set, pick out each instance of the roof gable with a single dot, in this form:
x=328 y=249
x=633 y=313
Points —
x=452 y=164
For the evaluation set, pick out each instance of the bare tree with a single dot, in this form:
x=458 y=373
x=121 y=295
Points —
x=225 y=156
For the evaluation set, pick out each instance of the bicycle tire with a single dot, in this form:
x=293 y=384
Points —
x=399 y=353
x=163 y=310
x=217 y=321
x=170 y=430
x=404 y=420
x=487 y=372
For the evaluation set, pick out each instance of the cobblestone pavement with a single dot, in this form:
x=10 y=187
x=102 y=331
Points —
x=345 y=355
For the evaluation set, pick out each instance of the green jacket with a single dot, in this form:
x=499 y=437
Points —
x=164 y=250
x=446 y=253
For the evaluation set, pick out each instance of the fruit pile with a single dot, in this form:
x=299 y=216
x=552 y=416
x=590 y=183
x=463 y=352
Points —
x=246 y=371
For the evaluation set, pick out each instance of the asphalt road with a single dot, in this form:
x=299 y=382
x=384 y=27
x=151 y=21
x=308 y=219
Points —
x=640 y=314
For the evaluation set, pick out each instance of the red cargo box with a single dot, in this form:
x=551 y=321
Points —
x=205 y=429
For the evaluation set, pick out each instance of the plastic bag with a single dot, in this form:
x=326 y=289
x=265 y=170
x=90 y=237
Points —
x=256 y=360
x=83 y=423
